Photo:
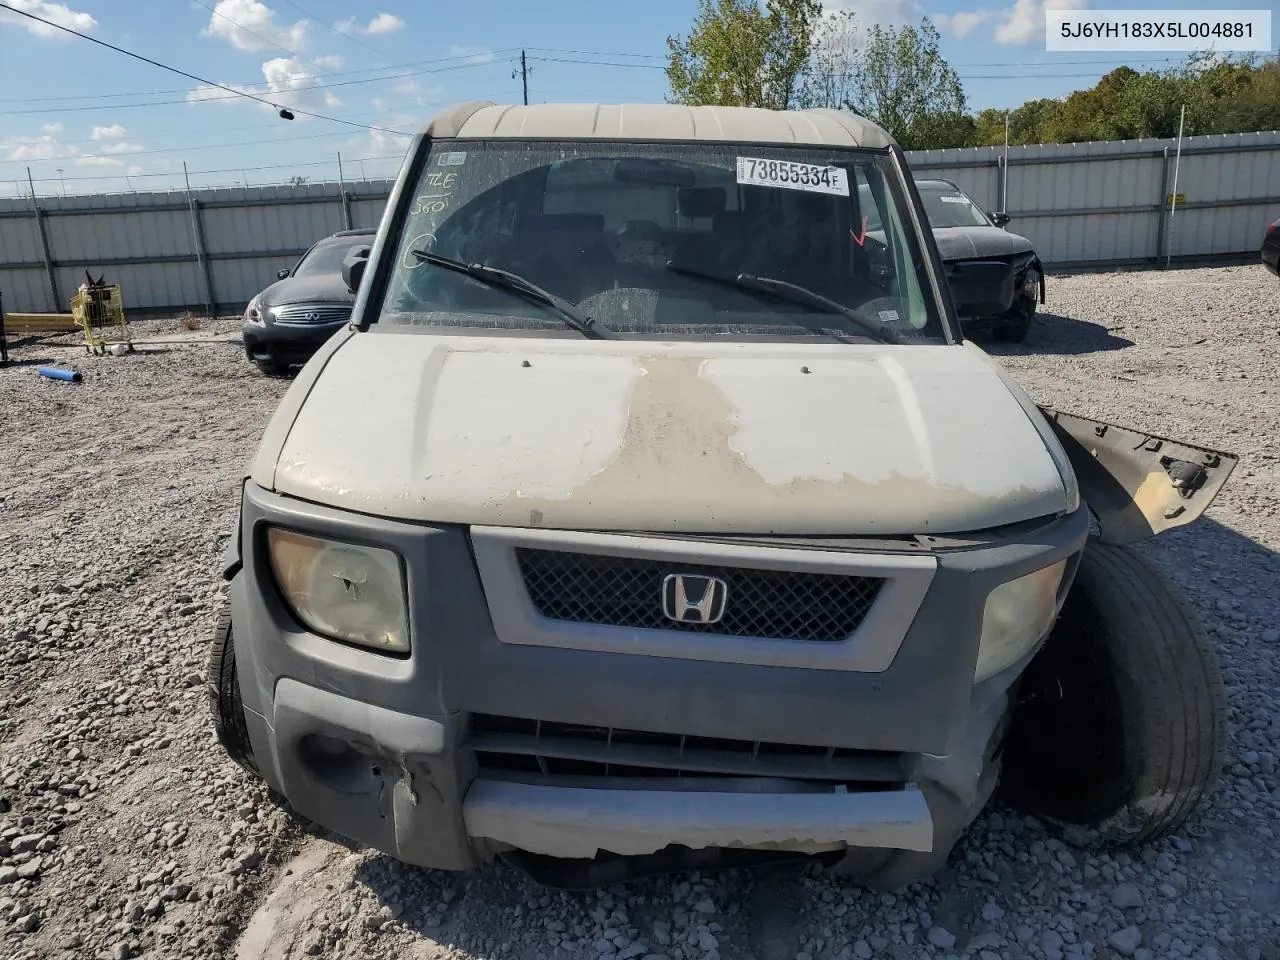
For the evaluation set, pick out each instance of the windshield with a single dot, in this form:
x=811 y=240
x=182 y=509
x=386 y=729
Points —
x=948 y=207
x=326 y=259
x=641 y=237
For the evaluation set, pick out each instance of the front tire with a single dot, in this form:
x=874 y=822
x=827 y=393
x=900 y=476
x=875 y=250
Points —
x=223 y=687
x=1014 y=326
x=1119 y=729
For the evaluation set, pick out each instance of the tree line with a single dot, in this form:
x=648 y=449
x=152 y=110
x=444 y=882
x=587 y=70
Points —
x=788 y=54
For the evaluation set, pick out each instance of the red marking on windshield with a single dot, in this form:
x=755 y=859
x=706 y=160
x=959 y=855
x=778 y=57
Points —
x=860 y=239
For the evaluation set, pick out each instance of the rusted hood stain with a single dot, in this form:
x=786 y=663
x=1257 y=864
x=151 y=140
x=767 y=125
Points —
x=734 y=438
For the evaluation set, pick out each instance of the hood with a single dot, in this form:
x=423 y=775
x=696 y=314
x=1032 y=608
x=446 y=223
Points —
x=626 y=436
x=328 y=288
x=969 y=243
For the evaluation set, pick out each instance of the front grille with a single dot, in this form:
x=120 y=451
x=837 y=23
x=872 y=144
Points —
x=309 y=313
x=628 y=592
x=517 y=746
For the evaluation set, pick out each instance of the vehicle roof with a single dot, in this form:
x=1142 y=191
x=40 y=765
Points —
x=937 y=182
x=656 y=121
x=358 y=232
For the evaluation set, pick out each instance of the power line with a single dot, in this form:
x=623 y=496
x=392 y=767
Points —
x=194 y=173
x=253 y=33
x=204 y=146
x=233 y=96
x=258 y=83
x=183 y=73
x=970 y=76
x=334 y=30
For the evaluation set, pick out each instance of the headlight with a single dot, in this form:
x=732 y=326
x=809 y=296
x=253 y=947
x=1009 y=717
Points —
x=342 y=590
x=1031 y=283
x=253 y=312
x=1018 y=613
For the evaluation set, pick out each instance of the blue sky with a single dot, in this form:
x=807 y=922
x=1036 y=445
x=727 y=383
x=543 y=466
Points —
x=110 y=123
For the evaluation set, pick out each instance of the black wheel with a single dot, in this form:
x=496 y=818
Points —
x=1119 y=729
x=1014 y=326
x=223 y=687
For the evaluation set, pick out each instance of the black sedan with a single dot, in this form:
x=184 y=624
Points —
x=1271 y=248
x=288 y=321
x=996 y=277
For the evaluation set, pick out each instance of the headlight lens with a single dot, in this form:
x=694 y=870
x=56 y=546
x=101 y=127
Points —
x=1018 y=613
x=253 y=312
x=342 y=590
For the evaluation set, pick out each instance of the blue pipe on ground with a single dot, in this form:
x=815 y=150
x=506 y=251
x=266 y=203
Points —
x=54 y=373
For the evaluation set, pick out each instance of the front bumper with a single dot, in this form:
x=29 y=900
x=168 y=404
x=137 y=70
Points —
x=286 y=344
x=501 y=731
x=990 y=288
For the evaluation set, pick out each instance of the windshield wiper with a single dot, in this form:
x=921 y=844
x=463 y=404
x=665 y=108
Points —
x=501 y=279
x=795 y=294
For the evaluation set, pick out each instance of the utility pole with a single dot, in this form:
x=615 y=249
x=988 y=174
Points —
x=524 y=77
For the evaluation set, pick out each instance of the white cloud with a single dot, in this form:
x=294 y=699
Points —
x=384 y=23
x=330 y=61
x=134 y=170
x=288 y=84
x=381 y=23
x=1019 y=24
x=250 y=26
x=98 y=162
x=58 y=13
x=962 y=24
x=113 y=132
x=52 y=128
x=43 y=147
x=122 y=147
x=379 y=104
x=472 y=54
x=1024 y=23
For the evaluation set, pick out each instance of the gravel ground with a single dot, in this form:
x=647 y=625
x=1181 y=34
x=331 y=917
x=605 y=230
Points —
x=125 y=833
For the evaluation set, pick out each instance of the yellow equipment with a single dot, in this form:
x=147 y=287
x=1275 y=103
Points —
x=99 y=310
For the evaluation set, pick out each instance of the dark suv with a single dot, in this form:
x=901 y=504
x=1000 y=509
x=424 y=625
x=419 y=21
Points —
x=288 y=321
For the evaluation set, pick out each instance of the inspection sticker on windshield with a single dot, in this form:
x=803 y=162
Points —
x=790 y=175
x=456 y=159
x=953 y=199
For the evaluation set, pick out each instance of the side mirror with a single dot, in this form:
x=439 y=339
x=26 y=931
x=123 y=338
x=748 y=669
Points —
x=281 y=274
x=353 y=265
x=1000 y=219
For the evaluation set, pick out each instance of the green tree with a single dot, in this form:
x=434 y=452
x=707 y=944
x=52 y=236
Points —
x=904 y=84
x=834 y=62
x=740 y=54
x=1255 y=104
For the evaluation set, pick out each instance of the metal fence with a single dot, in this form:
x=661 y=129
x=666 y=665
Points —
x=1082 y=205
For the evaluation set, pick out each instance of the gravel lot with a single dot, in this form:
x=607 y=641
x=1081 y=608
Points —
x=125 y=833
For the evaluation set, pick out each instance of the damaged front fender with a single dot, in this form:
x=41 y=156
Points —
x=1138 y=484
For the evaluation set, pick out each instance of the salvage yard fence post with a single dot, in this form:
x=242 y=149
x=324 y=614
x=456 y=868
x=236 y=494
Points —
x=43 y=229
x=197 y=239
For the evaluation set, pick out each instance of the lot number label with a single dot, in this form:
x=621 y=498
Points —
x=790 y=175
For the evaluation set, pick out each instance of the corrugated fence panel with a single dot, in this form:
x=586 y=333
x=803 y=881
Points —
x=25 y=291
x=143 y=285
x=1080 y=204
x=367 y=213
x=236 y=281
x=119 y=234
x=19 y=240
